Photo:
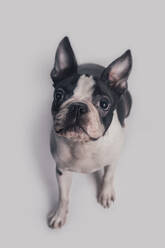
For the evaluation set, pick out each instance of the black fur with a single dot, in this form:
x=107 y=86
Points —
x=65 y=61
x=68 y=85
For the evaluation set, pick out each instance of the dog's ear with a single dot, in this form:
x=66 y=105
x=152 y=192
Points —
x=118 y=71
x=65 y=61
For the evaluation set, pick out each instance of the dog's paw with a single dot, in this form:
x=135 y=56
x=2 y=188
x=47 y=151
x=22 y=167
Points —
x=106 y=197
x=58 y=219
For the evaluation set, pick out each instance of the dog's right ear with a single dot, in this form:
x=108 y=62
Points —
x=65 y=61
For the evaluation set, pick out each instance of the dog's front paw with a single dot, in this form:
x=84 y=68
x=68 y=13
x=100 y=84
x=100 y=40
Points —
x=106 y=196
x=58 y=219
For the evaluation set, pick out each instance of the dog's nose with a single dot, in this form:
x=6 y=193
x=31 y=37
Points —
x=77 y=109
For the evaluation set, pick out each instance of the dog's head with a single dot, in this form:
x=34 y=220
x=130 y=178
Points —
x=83 y=104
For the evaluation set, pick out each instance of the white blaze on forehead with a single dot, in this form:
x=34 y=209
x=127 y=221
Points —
x=84 y=88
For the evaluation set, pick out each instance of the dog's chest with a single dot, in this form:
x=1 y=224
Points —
x=90 y=156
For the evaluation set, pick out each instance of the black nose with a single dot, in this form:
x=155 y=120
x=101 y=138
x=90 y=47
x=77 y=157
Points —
x=77 y=109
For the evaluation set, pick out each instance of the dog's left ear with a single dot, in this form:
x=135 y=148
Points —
x=65 y=61
x=118 y=71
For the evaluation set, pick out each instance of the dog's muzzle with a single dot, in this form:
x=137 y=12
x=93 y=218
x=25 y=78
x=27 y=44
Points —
x=75 y=118
x=74 y=124
x=75 y=113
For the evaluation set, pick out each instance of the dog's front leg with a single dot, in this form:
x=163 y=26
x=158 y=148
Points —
x=58 y=218
x=107 y=193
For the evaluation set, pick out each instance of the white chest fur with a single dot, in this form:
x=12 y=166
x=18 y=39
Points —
x=90 y=156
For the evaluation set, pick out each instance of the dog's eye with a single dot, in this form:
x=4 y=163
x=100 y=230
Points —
x=104 y=104
x=59 y=95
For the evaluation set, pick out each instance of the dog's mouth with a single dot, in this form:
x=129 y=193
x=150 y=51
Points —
x=75 y=130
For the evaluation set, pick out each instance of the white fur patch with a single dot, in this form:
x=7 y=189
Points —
x=84 y=88
x=99 y=153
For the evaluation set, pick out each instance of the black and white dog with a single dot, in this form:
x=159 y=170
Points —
x=89 y=110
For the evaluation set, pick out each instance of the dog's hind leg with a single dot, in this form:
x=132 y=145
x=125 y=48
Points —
x=107 y=193
x=58 y=218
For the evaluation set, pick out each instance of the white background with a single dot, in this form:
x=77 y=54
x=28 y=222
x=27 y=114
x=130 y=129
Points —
x=99 y=32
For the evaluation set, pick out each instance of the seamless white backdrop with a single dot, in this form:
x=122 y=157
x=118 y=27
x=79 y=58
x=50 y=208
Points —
x=99 y=32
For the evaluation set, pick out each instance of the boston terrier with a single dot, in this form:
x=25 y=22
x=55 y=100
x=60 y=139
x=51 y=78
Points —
x=89 y=109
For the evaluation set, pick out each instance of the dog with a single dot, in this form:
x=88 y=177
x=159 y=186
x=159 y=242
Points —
x=89 y=109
